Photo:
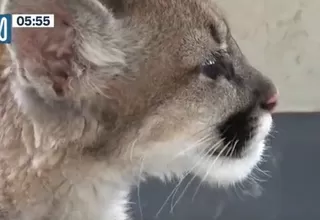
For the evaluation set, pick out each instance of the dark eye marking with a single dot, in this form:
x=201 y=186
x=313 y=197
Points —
x=218 y=65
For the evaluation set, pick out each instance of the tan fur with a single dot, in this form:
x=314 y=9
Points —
x=138 y=109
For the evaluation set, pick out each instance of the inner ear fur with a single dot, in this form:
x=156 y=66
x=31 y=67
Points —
x=44 y=53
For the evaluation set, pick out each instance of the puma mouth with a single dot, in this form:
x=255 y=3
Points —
x=239 y=132
x=225 y=167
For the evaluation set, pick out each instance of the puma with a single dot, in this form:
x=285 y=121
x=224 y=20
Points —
x=120 y=90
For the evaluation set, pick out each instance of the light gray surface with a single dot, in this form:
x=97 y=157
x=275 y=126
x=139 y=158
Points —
x=292 y=192
x=282 y=39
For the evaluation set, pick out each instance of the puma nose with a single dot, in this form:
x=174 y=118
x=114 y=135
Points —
x=270 y=103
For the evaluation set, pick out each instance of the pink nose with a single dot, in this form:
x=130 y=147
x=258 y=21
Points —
x=271 y=103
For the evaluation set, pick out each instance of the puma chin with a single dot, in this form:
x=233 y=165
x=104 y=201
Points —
x=118 y=91
x=221 y=161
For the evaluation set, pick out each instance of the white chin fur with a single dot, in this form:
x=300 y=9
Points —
x=225 y=171
x=221 y=171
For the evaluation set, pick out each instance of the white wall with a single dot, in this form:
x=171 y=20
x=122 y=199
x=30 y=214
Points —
x=282 y=39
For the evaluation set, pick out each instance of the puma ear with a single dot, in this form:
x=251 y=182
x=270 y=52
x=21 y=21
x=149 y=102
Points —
x=85 y=37
x=43 y=55
x=46 y=53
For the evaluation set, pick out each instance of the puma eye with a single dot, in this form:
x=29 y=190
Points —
x=211 y=69
x=214 y=68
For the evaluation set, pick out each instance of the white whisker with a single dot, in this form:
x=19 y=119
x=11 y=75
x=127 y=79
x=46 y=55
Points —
x=264 y=172
x=193 y=146
x=132 y=149
x=179 y=183
x=241 y=190
x=193 y=178
x=234 y=147
x=209 y=169
x=138 y=188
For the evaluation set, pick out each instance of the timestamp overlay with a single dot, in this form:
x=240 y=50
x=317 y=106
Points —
x=10 y=21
